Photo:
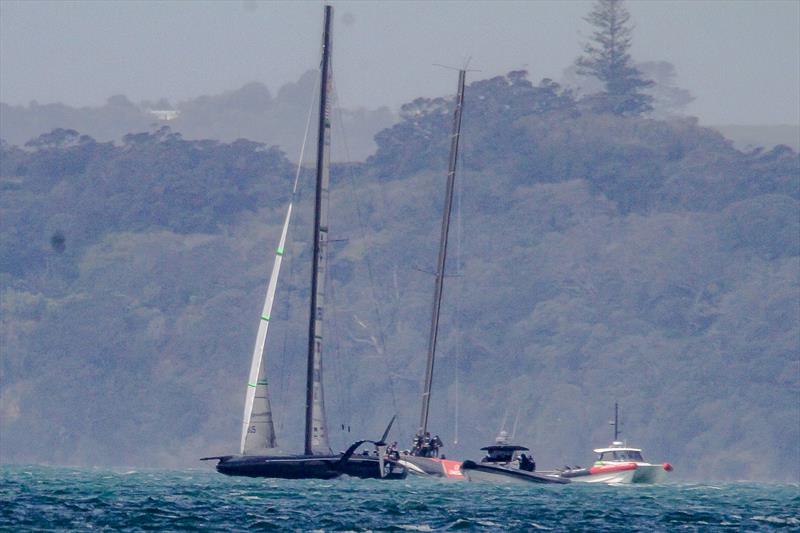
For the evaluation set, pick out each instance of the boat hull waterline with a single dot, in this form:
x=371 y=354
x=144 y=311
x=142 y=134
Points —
x=610 y=474
x=620 y=473
x=651 y=473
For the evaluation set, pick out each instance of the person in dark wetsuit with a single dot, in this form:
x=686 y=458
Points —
x=391 y=451
x=426 y=445
x=436 y=445
x=417 y=447
x=526 y=463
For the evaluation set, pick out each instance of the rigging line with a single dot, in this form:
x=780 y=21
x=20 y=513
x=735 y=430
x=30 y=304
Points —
x=343 y=393
x=288 y=327
x=305 y=135
x=459 y=348
x=459 y=296
x=370 y=270
x=287 y=287
x=334 y=355
x=516 y=422
x=342 y=401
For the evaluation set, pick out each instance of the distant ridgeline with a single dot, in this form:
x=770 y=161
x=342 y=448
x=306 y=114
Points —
x=250 y=112
x=602 y=258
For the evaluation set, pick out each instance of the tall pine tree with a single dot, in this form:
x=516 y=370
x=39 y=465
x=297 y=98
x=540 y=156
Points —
x=606 y=58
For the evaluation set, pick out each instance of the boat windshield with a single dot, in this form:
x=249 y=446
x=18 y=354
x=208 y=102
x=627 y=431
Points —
x=499 y=456
x=621 y=455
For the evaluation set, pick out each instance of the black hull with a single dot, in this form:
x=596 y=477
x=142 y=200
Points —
x=288 y=467
x=369 y=468
x=496 y=473
x=307 y=467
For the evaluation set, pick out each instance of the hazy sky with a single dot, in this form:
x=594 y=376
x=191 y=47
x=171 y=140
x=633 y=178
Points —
x=740 y=58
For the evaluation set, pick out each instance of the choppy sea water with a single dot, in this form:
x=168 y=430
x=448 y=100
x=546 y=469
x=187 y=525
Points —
x=49 y=498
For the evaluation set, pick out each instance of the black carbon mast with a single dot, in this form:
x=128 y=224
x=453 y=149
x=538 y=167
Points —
x=316 y=436
x=420 y=443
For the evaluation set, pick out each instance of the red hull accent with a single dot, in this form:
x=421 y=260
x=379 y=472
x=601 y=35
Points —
x=452 y=469
x=605 y=469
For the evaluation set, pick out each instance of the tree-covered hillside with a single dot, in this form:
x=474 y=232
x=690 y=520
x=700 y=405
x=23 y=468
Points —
x=595 y=258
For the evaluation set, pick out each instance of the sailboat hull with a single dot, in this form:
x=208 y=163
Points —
x=284 y=467
x=307 y=467
x=368 y=467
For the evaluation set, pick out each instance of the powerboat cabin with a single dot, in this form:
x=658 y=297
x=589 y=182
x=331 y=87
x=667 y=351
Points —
x=619 y=453
x=503 y=453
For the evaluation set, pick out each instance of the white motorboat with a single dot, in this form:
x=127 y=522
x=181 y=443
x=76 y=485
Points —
x=619 y=464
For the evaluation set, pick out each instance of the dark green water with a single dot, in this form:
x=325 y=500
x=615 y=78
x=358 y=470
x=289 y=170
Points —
x=49 y=498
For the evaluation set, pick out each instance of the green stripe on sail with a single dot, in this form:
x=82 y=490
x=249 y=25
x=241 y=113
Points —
x=279 y=251
x=265 y=317
x=262 y=382
x=251 y=385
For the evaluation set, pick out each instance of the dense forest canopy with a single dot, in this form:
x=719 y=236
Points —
x=595 y=258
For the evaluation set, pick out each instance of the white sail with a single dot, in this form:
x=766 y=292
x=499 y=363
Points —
x=258 y=429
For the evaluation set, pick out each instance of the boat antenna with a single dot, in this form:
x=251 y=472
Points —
x=442 y=258
x=615 y=422
x=516 y=421
x=316 y=438
x=503 y=422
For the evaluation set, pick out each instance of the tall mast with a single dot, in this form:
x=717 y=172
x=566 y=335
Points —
x=616 y=421
x=316 y=437
x=440 y=264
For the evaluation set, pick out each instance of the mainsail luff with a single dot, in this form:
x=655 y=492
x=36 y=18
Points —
x=442 y=258
x=316 y=435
